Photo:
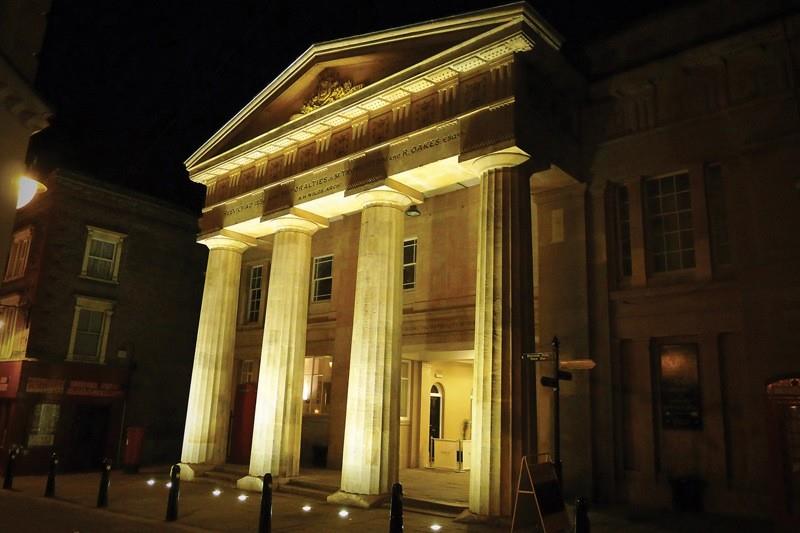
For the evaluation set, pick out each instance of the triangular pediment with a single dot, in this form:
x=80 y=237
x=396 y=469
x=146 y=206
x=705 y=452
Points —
x=352 y=66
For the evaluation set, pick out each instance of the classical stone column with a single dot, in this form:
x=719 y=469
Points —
x=503 y=417
x=371 y=436
x=206 y=432
x=279 y=403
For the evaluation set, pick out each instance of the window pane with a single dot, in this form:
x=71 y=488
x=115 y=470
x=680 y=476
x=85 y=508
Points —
x=86 y=344
x=324 y=268
x=322 y=282
x=323 y=289
x=670 y=228
x=99 y=268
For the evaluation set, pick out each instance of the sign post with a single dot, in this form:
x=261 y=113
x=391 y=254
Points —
x=563 y=373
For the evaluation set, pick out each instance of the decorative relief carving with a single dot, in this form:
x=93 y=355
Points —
x=305 y=156
x=340 y=143
x=380 y=128
x=329 y=90
x=423 y=111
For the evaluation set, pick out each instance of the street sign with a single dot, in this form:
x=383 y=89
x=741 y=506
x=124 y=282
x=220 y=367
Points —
x=577 y=364
x=538 y=356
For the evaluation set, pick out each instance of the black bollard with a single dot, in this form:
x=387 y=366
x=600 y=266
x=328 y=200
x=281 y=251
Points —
x=581 y=516
x=265 y=518
x=8 y=478
x=396 y=514
x=174 y=493
x=102 y=493
x=50 y=488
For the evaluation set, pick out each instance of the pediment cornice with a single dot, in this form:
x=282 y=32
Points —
x=510 y=29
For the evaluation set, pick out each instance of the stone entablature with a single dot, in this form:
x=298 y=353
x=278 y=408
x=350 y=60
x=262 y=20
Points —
x=708 y=79
x=442 y=92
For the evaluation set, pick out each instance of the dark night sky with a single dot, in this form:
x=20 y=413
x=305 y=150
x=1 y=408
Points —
x=137 y=86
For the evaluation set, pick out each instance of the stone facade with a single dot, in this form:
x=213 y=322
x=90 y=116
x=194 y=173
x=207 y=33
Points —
x=640 y=208
x=141 y=346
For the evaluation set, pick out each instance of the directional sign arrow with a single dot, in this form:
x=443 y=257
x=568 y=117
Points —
x=538 y=356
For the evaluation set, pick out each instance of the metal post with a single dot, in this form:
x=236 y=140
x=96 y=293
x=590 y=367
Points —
x=557 y=408
x=265 y=517
x=8 y=478
x=50 y=488
x=582 y=524
x=102 y=493
x=174 y=493
x=396 y=514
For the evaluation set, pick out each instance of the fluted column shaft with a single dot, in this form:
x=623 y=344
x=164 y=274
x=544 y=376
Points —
x=279 y=403
x=371 y=438
x=206 y=432
x=503 y=331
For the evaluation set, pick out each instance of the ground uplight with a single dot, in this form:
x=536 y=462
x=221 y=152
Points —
x=169 y=484
x=216 y=492
x=306 y=508
x=436 y=527
x=242 y=497
x=344 y=513
x=151 y=482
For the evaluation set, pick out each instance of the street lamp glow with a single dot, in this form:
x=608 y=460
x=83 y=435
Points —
x=151 y=482
x=242 y=497
x=343 y=513
x=28 y=189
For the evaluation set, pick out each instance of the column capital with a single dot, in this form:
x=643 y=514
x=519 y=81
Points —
x=503 y=159
x=298 y=220
x=227 y=240
x=384 y=197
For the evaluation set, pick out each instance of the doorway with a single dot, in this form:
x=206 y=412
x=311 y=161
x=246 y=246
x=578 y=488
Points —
x=89 y=436
x=244 y=413
x=435 y=424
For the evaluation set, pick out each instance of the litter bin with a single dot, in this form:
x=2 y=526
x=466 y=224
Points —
x=132 y=459
x=687 y=494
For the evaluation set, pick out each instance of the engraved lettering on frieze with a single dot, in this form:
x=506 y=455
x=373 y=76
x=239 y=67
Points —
x=329 y=90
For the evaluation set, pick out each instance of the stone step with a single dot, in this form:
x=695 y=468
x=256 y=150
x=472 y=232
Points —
x=433 y=507
x=312 y=485
x=315 y=494
x=226 y=478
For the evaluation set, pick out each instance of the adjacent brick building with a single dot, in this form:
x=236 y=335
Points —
x=100 y=305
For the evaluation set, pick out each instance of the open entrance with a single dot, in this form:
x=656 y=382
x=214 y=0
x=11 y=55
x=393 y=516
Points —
x=88 y=437
x=784 y=411
x=436 y=426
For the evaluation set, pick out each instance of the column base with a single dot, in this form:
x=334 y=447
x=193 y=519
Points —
x=364 y=501
x=250 y=483
x=189 y=471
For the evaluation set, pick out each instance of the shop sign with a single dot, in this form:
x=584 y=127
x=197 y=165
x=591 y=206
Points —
x=45 y=386
x=94 y=388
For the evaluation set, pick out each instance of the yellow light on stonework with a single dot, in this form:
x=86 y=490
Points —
x=28 y=189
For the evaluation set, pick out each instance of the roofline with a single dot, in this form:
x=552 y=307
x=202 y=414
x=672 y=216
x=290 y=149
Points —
x=503 y=13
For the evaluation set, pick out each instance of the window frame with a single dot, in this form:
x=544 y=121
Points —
x=108 y=236
x=413 y=264
x=407 y=418
x=315 y=297
x=648 y=217
x=106 y=307
x=18 y=254
x=250 y=291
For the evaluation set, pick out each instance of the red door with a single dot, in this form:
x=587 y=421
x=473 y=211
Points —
x=244 y=414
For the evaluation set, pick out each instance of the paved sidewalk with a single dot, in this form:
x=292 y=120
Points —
x=136 y=506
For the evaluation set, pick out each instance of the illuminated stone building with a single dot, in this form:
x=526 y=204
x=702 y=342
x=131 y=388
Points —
x=98 y=315
x=642 y=207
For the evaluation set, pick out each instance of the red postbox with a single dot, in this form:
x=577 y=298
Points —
x=134 y=440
